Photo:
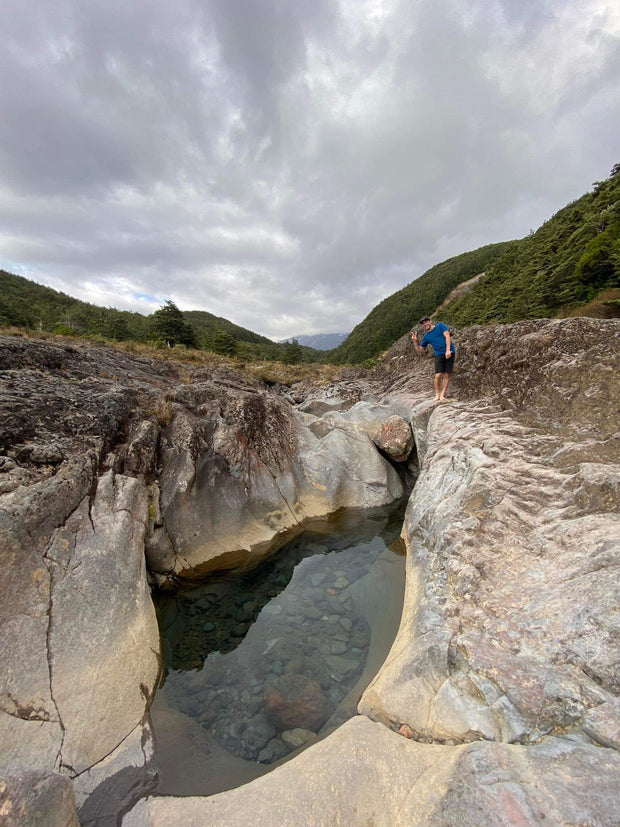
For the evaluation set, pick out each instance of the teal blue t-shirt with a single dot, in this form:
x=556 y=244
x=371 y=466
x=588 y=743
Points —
x=436 y=338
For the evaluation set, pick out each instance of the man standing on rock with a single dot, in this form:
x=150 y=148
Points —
x=438 y=335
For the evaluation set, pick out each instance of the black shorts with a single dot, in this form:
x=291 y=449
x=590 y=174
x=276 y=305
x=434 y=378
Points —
x=443 y=365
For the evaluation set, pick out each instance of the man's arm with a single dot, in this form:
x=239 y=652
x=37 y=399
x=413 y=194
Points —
x=448 y=339
x=414 y=339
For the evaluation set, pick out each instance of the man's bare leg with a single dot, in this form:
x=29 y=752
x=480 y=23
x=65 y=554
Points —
x=445 y=383
x=438 y=385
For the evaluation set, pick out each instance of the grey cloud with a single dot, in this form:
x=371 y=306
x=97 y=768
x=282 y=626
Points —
x=289 y=165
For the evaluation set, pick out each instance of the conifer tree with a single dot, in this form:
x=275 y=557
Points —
x=168 y=323
x=293 y=354
x=224 y=343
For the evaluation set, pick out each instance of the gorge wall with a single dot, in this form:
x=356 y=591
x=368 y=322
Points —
x=503 y=676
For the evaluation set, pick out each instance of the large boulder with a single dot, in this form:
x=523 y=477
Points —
x=395 y=438
x=240 y=471
x=82 y=642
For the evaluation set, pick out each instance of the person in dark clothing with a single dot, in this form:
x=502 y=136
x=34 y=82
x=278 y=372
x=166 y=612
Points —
x=438 y=335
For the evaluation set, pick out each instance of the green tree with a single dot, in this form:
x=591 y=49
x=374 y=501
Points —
x=293 y=353
x=168 y=324
x=224 y=343
x=117 y=328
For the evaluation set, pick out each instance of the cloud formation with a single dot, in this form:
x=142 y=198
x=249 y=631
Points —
x=289 y=165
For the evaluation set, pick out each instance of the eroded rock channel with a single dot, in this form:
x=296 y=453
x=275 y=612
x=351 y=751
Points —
x=121 y=474
x=272 y=659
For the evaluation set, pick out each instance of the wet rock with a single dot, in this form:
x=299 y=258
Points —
x=275 y=749
x=340 y=667
x=297 y=701
x=256 y=735
x=295 y=738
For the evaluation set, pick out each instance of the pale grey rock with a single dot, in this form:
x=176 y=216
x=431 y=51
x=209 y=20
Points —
x=113 y=784
x=28 y=744
x=103 y=647
x=364 y=416
x=317 y=407
x=139 y=458
x=602 y=723
x=240 y=488
x=92 y=638
x=337 y=396
x=496 y=641
x=344 y=469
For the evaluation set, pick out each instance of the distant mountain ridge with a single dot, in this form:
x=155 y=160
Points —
x=318 y=341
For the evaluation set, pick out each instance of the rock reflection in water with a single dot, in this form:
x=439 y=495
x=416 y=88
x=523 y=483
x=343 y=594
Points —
x=266 y=660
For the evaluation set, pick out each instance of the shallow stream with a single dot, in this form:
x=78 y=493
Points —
x=262 y=663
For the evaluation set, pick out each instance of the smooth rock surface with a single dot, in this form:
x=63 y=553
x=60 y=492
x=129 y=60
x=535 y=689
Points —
x=234 y=482
x=366 y=774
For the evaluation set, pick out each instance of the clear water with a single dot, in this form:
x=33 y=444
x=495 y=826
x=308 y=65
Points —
x=271 y=659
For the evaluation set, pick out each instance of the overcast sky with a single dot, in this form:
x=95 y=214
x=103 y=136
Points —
x=287 y=164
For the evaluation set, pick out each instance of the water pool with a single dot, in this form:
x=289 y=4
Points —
x=263 y=662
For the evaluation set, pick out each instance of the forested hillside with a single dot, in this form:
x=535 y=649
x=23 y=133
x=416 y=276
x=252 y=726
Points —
x=401 y=311
x=23 y=303
x=26 y=304
x=207 y=325
x=565 y=264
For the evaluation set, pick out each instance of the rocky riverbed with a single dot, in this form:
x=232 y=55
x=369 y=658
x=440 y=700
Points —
x=498 y=702
x=264 y=660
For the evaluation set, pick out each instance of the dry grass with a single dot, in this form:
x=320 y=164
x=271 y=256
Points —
x=278 y=372
x=269 y=372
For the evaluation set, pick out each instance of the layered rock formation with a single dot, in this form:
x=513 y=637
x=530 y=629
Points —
x=504 y=672
x=106 y=459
